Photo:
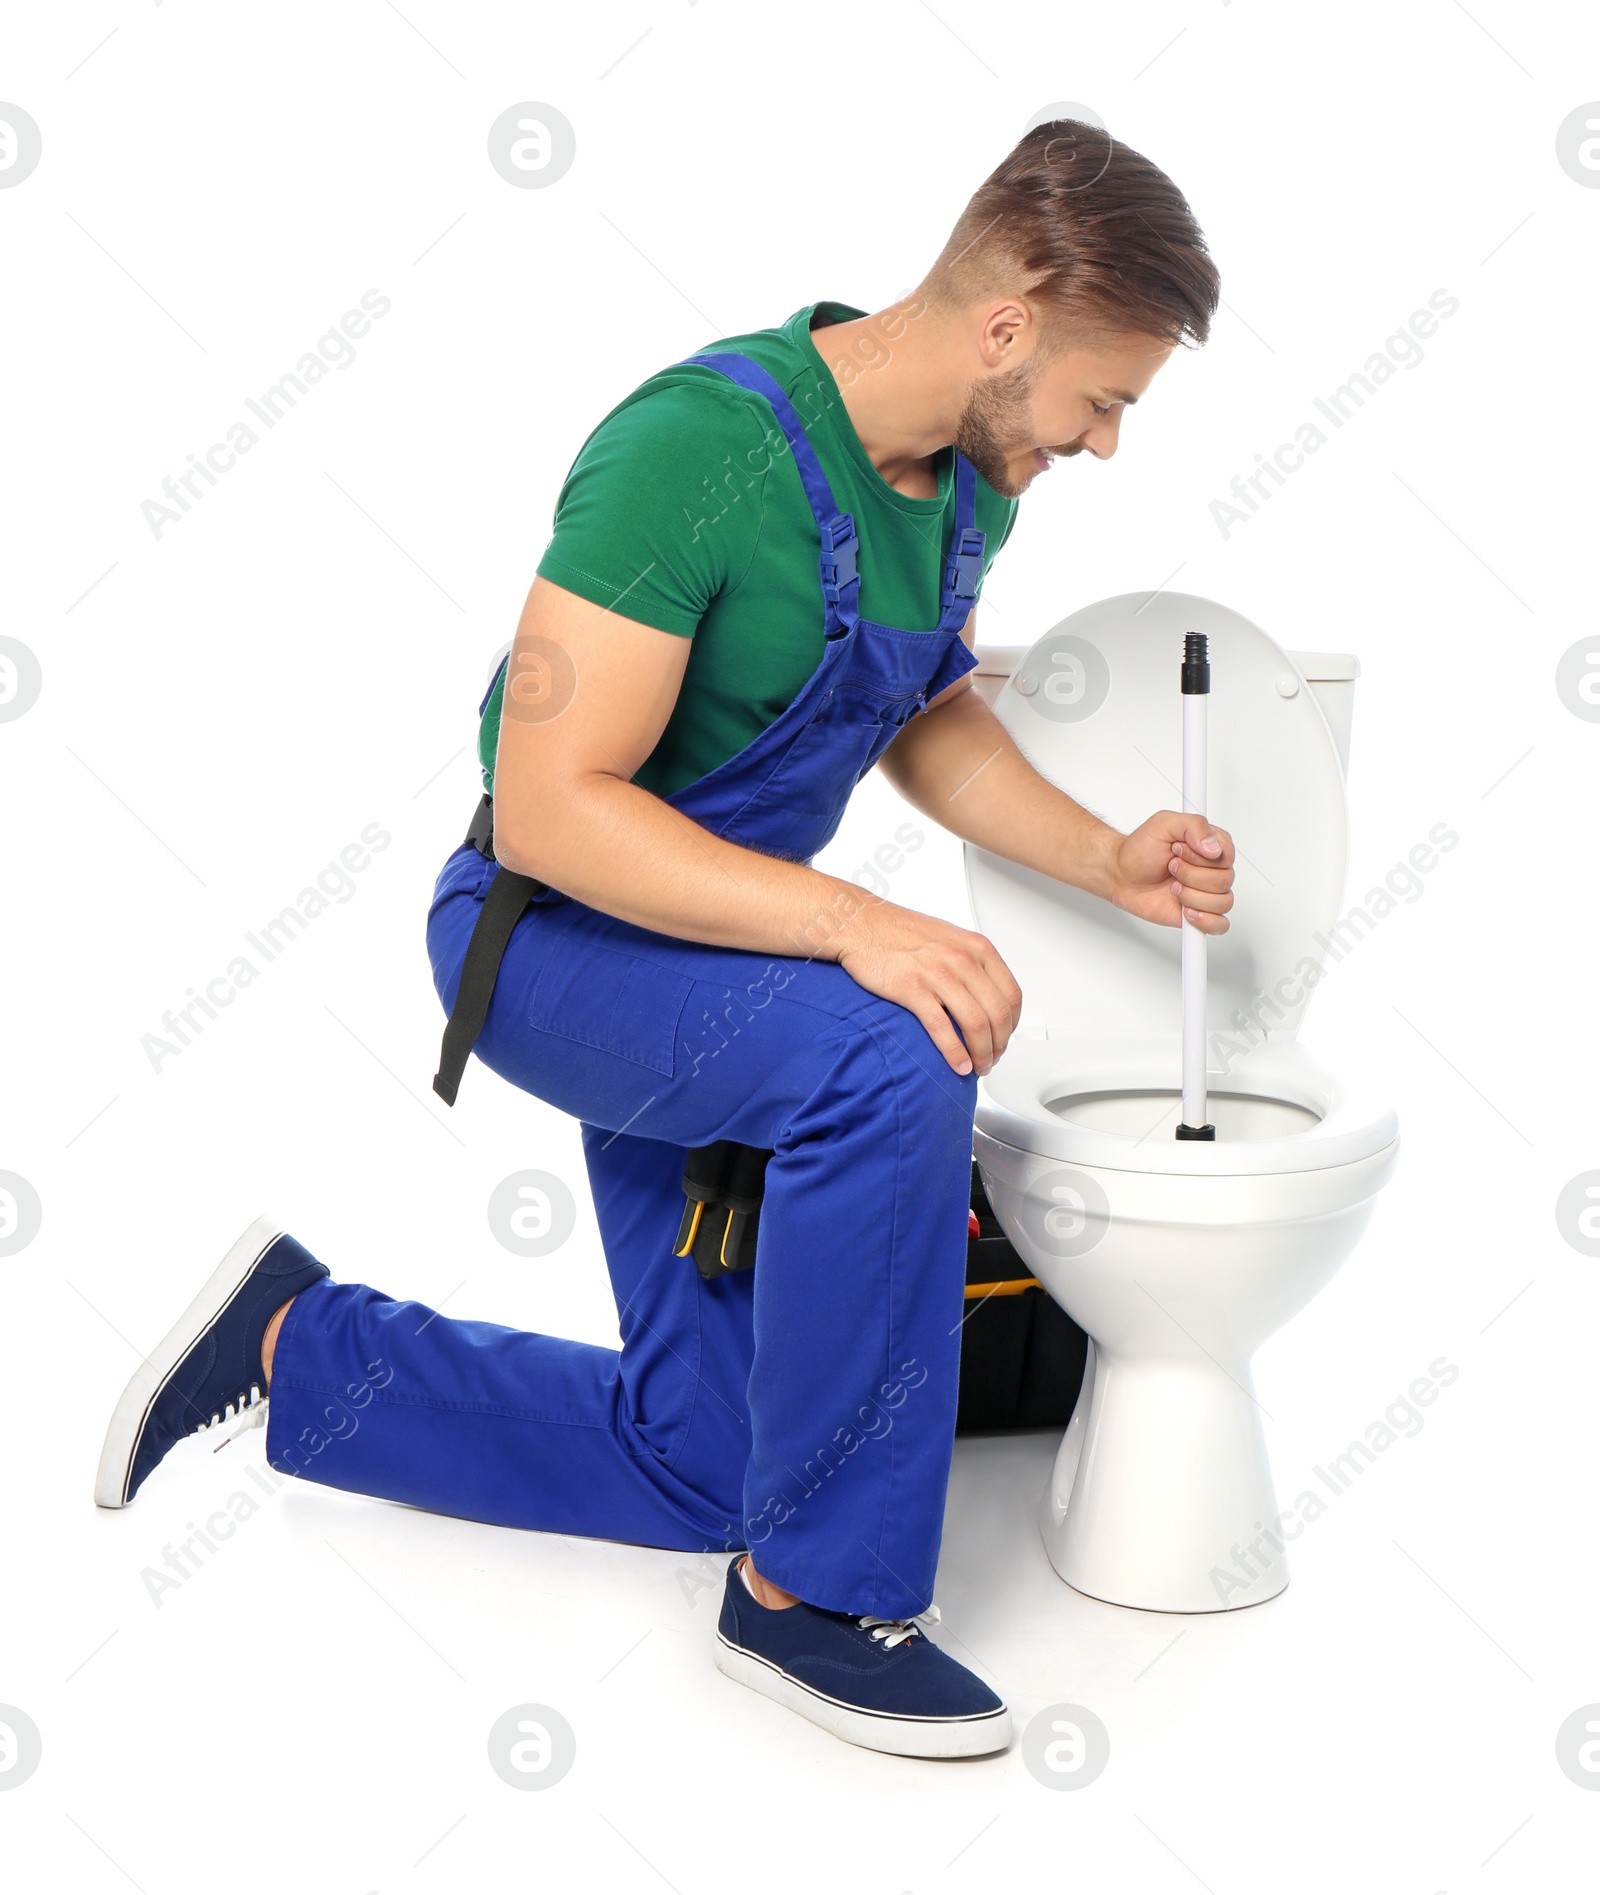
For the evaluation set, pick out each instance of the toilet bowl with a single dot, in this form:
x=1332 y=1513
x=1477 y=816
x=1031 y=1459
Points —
x=1178 y=1258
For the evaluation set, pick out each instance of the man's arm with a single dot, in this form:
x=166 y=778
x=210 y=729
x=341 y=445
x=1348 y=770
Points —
x=573 y=732
x=957 y=765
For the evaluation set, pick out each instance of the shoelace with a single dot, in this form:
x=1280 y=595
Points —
x=892 y=1631
x=251 y=1413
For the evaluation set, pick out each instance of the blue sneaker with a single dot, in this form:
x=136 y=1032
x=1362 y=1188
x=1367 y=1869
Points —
x=881 y=1683
x=208 y=1369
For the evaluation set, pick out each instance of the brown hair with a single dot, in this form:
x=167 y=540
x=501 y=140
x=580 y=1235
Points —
x=1091 y=231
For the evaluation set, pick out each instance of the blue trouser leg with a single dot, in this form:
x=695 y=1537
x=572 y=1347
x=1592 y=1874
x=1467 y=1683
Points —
x=384 y=1397
x=805 y=1409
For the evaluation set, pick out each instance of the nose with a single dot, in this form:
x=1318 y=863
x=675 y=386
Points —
x=1100 y=439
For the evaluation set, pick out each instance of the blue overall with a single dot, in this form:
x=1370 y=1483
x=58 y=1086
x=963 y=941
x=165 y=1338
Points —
x=806 y=1408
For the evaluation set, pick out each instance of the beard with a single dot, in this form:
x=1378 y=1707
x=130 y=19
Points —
x=998 y=419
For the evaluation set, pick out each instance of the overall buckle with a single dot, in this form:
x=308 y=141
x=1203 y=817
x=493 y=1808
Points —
x=838 y=561
x=963 y=570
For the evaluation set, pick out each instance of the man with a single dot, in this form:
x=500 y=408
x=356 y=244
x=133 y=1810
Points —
x=692 y=694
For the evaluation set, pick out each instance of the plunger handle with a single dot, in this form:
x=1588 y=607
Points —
x=1196 y=684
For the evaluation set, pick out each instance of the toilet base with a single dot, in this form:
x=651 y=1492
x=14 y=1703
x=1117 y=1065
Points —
x=1161 y=1496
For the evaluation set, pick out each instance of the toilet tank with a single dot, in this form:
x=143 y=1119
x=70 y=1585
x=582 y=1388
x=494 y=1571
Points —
x=1330 y=674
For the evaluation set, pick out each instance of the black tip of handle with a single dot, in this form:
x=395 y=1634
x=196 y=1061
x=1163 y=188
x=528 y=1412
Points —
x=1206 y=1132
x=1196 y=665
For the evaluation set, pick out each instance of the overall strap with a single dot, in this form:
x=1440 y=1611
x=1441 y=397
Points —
x=841 y=584
x=963 y=563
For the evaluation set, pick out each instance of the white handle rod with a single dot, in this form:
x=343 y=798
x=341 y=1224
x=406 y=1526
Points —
x=1194 y=942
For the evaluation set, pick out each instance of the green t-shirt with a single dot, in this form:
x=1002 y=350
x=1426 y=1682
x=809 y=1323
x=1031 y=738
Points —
x=681 y=513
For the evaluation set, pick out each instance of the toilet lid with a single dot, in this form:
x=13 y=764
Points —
x=1095 y=707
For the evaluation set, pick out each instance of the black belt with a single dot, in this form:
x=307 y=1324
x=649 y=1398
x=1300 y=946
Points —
x=723 y=1183
x=503 y=907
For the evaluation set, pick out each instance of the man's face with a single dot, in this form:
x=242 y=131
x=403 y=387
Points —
x=1017 y=422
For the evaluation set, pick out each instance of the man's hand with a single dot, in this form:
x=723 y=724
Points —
x=941 y=974
x=1175 y=868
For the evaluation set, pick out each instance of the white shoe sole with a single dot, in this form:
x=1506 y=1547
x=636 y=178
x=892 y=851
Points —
x=158 y=1368
x=899 y=1736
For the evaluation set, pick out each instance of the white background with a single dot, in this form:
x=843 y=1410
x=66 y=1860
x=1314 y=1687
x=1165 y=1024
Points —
x=225 y=707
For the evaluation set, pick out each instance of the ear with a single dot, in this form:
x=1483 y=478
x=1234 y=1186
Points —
x=1007 y=335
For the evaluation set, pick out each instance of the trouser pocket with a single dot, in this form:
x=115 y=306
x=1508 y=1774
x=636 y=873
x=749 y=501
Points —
x=613 y=1002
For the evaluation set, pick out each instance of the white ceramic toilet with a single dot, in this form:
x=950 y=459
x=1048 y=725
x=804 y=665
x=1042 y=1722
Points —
x=1178 y=1258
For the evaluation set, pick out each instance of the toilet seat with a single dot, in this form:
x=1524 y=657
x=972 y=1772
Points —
x=1352 y=1123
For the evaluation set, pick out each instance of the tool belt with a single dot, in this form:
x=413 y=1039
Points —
x=723 y=1186
x=722 y=1182
x=503 y=907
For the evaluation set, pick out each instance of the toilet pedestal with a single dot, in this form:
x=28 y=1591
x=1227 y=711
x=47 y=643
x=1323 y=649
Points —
x=1161 y=1496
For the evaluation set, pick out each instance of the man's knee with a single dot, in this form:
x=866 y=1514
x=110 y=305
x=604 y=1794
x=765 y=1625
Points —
x=894 y=1063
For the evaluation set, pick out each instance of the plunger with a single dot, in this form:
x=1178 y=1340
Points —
x=1196 y=684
